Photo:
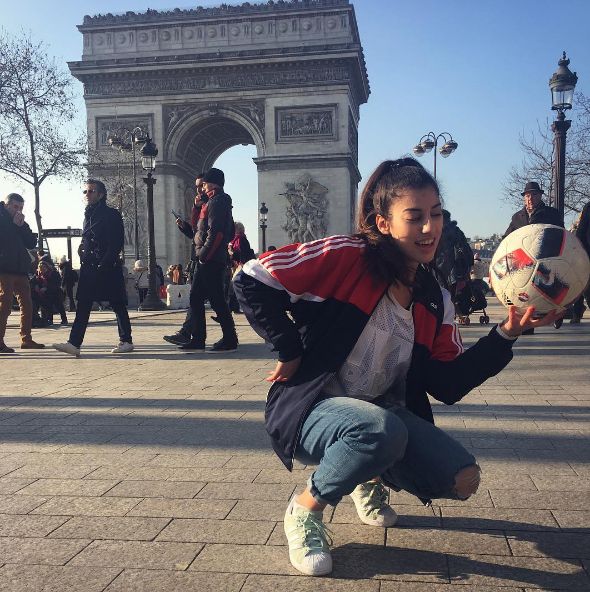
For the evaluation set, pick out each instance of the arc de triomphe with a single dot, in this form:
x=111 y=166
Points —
x=286 y=76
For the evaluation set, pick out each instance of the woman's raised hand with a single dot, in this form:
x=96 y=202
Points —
x=284 y=371
x=517 y=323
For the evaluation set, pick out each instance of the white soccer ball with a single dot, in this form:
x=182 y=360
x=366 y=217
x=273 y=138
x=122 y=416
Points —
x=539 y=265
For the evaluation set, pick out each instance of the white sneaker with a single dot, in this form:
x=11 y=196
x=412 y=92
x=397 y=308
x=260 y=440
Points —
x=67 y=348
x=371 y=504
x=308 y=540
x=123 y=348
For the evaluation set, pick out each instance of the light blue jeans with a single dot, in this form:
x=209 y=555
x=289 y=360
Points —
x=354 y=441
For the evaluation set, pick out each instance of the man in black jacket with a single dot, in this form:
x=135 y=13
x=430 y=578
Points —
x=15 y=238
x=101 y=271
x=535 y=211
x=214 y=230
x=184 y=334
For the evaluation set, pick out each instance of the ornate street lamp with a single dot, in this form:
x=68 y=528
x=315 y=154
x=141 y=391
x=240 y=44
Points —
x=430 y=141
x=148 y=154
x=562 y=85
x=263 y=220
x=126 y=140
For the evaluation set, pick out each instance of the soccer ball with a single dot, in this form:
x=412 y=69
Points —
x=539 y=265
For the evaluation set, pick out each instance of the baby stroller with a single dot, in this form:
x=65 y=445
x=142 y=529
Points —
x=469 y=300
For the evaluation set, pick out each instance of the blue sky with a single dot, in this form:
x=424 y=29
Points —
x=478 y=69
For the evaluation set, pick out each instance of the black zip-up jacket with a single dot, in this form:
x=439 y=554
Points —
x=542 y=214
x=14 y=242
x=330 y=294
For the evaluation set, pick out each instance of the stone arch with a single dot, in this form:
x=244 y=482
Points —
x=202 y=134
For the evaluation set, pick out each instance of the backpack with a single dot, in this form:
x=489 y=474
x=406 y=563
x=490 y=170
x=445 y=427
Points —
x=74 y=277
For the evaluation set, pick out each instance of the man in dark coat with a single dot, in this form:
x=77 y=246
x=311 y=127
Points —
x=583 y=233
x=535 y=211
x=214 y=230
x=101 y=271
x=15 y=239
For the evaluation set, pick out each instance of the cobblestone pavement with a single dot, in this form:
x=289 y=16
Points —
x=152 y=471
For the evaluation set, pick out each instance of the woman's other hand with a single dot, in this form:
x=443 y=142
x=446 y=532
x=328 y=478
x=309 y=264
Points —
x=284 y=371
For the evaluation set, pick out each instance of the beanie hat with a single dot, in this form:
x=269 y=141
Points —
x=215 y=176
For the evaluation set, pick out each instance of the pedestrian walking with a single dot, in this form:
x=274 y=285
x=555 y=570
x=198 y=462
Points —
x=101 y=270
x=371 y=332
x=16 y=238
x=141 y=279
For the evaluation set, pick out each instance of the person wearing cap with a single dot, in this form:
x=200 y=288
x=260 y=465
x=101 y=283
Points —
x=535 y=211
x=214 y=230
x=15 y=262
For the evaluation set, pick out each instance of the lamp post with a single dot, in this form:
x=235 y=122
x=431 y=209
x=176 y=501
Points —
x=430 y=141
x=148 y=162
x=119 y=142
x=263 y=219
x=562 y=85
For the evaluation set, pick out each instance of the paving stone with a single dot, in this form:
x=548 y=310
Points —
x=213 y=461
x=183 y=508
x=218 y=531
x=550 y=544
x=45 y=578
x=9 y=485
x=531 y=572
x=497 y=519
x=258 y=510
x=137 y=554
x=110 y=527
x=483 y=542
x=39 y=551
x=561 y=483
x=170 y=581
x=131 y=473
x=256 y=491
x=214 y=475
x=85 y=506
x=29 y=526
x=77 y=487
x=265 y=583
x=542 y=500
x=423 y=587
x=577 y=520
x=261 y=559
x=49 y=471
x=167 y=489
x=18 y=504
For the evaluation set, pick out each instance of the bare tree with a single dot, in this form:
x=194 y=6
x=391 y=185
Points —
x=539 y=161
x=37 y=113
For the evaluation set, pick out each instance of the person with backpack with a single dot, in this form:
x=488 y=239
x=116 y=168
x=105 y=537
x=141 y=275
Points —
x=240 y=252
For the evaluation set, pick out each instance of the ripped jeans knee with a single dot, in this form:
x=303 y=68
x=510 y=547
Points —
x=467 y=481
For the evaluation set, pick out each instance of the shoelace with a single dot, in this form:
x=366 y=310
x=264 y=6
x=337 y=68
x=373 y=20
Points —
x=316 y=534
x=377 y=496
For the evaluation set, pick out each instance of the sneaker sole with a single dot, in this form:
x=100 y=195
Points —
x=309 y=572
x=176 y=341
x=192 y=351
x=65 y=351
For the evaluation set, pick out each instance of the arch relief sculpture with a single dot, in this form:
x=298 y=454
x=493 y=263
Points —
x=307 y=210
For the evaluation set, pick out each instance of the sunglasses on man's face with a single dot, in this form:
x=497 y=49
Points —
x=88 y=191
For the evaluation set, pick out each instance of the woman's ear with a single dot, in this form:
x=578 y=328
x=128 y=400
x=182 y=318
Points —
x=382 y=224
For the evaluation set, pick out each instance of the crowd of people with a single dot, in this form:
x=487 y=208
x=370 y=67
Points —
x=364 y=327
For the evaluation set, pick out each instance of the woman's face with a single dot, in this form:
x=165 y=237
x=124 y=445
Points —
x=415 y=223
